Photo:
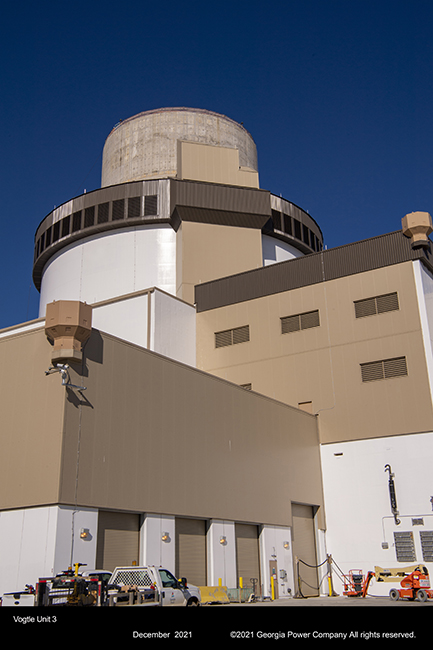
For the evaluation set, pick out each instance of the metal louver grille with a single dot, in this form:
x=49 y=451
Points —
x=76 y=221
x=388 y=302
x=103 y=212
x=310 y=319
x=365 y=308
x=118 y=210
x=300 y=322
x=232 y=337
x=386 y=369
x=427 y=545
x=89 y=216
x=290 y=324
x=223 y=338
x=56 y=231
x=404 y=547
x=241 y=334
x=65 y=226
x=134 y=207
x=376 y=305
x=151 y=205
x=276 y=219
x=395 y=367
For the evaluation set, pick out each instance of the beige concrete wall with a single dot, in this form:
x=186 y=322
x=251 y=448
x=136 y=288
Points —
x=31 y=430
x=213 y=164
x=322 y=365
x=206 y=252
x=157 y=436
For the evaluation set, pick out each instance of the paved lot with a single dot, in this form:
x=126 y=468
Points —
x=337 y=601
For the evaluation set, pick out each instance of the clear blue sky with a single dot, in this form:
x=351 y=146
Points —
x=337 y=95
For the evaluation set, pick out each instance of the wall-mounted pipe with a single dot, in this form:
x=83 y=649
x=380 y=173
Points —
x=392 y=494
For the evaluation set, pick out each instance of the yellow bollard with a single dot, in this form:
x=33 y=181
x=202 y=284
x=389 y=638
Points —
x=241 y=584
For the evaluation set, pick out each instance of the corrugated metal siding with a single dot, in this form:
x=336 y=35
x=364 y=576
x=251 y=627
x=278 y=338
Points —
x=247 y=553
x=118 y=539
x=191 y=550
x=386 y=250
x=220 y=197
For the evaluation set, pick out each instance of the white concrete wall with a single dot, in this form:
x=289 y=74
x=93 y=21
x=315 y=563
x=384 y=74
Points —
x=173 y=328
x=275 y=250
x=221 y=554
x=153 y=549
x=38 y=542
x=126 y=319
x=276 y=544
x=112 y=264
x=154 y=320
x=358 y=511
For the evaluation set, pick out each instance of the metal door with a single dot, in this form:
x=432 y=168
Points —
x=118 y=542
x=191 y=550
x=247 y=554
x=304 y=548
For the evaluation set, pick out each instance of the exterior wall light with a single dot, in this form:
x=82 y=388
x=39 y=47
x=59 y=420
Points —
x=223 y=540
x=165 y=537
x=286 y=544
x=85 y=534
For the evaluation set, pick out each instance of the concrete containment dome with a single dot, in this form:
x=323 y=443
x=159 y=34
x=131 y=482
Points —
x=146 y=146
x=180 y=204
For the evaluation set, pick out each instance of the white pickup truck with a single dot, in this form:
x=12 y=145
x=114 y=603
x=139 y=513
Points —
x=150 y=585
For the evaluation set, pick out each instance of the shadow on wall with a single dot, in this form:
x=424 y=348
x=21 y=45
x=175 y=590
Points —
x=92 y=351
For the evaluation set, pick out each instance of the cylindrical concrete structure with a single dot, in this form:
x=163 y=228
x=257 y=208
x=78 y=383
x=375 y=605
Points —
x=162 y=220
x=145 y=146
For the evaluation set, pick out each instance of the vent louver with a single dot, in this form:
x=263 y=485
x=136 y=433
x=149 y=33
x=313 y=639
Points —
x=376 y=305
x=385 y=369
x=232 y=337
x=404 y=547
x=300 y=322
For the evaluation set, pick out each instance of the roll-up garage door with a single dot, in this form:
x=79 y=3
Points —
x=191 y=550
x=118 y=541
x=247 y=553
x=304 y=548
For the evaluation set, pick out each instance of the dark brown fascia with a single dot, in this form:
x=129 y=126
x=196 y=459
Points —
x=350 y=259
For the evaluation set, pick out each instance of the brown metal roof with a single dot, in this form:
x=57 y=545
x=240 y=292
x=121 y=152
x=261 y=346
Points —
x=359 y=257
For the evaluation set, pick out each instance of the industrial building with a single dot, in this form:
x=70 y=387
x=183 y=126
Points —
x=207 y=387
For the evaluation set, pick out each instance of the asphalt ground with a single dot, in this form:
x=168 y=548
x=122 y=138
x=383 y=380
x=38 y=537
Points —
x=335 y=601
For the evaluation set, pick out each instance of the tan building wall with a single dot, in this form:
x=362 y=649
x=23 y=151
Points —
x=206 y=251
x=32 y=420
x=213 y=164
x=150 y=435
x=319 y=368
